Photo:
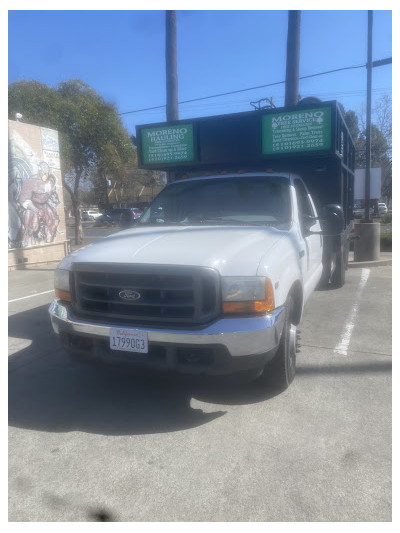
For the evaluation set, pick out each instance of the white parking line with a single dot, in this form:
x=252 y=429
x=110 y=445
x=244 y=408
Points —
x=30 y=296
x=344 y=343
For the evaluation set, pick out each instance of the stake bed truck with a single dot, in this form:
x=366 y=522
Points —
x=214 y=277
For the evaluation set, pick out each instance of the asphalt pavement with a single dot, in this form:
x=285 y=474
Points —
x=105 y=444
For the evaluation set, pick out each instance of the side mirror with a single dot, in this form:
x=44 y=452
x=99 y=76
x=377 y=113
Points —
x=308 y=222
x=332 y=220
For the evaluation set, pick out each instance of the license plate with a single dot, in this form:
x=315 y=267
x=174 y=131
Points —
x=129 y=340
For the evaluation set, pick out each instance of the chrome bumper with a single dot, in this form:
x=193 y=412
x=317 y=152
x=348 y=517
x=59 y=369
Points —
x=241 y=336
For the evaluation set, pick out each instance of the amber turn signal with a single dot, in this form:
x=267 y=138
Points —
x=252 y=307
x=63 y=295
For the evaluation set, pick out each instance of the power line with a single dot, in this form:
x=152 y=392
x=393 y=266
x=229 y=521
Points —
x=208 y=107
x=244 y=90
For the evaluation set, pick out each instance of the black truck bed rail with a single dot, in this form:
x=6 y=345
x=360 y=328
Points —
x=311 y=140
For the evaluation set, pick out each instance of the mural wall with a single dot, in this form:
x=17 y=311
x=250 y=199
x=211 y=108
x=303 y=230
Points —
x=35 y=199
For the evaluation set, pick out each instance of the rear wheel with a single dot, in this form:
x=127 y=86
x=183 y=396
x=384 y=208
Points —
x=334 y=270
x=339 y=272
x=280 y=372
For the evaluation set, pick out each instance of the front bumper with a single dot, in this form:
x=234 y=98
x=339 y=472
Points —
x=225 y=346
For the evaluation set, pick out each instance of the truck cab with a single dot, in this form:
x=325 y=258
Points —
x=214 y=277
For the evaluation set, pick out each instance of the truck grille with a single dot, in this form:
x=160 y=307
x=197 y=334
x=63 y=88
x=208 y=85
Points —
x=145 y=294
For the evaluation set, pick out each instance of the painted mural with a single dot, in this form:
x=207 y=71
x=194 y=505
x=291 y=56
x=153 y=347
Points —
x=34 y=188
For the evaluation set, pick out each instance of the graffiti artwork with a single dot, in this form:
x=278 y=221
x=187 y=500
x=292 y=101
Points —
x=32 y=197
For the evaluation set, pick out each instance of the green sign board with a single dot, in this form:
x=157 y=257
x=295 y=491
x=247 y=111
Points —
x=168 y=144
x=296 y=131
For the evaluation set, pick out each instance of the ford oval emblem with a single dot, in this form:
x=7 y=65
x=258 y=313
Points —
x=130 y=295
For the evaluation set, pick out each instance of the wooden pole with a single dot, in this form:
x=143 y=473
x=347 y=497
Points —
x=368 y=132
x=171 y=72
x=293 y=58
x=171 y=66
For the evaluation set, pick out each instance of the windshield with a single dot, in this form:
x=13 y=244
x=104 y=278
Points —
x=233 y=200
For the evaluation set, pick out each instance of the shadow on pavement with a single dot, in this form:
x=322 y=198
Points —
x=48 y=392
x=347 y=368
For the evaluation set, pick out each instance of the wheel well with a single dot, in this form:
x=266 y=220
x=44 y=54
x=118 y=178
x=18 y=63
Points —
x=296 y=292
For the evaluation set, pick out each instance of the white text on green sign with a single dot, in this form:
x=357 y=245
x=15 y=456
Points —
x=167 y=144
x=296 y=131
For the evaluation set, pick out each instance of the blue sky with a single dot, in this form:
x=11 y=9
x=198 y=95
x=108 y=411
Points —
x=121 y=54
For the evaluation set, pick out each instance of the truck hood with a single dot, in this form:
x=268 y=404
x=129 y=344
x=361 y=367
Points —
x=232 y=250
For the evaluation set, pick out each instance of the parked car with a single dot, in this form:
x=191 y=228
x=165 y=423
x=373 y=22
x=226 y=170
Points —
x=91 y=215
x=359 y=211
x=123 y=217
x=382 y=208
x=137 y=212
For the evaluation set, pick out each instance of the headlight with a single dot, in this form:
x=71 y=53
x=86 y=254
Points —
x=61 y=284
x=247 y=295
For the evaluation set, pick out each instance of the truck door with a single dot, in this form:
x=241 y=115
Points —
x=313 y=243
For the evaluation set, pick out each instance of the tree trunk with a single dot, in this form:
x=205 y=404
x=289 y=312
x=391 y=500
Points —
x=74 y=195
x=79 y=237
x=106 y=191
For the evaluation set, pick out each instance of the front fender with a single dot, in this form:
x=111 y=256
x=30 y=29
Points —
x=282 y=266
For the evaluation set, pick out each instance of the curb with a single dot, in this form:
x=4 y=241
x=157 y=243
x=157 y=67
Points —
x=385 y=260
x=378 y=263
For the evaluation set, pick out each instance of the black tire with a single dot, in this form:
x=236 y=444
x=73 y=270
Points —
x=326 y=275
x=339 y=273
x=280 y=372
x=334 y=271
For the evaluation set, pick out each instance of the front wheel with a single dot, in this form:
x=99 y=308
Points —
x=280 y=372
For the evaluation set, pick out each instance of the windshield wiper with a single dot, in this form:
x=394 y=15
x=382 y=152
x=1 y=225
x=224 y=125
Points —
x=198 y=221
x=213 y=220
x=234 y=221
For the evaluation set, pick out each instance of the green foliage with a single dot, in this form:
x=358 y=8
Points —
x=386 y=219
x=91 y=130
x=92 y=137
x=351 y=120
x=386 y=241
x=381 y=141
x=37 y=102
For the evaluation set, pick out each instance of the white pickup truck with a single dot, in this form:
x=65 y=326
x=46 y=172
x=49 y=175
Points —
x=212 y=280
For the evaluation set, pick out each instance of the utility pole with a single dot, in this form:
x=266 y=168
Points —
x=293 y=58
x=367 y=243
x=171 y=66
x=171 y=73
x=368 y=132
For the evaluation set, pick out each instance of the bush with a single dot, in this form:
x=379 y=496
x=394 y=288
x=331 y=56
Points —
x=386 y=241
x=386 y=219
